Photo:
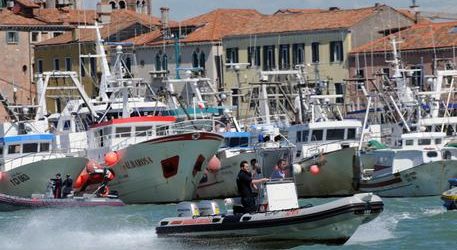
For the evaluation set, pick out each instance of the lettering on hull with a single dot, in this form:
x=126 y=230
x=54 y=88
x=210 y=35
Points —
x=141 y=162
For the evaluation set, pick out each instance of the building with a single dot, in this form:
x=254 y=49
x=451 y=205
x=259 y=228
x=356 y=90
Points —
x=142 y=6
x=23 y=24
x=70 y=51
x=424 y=47
x=197 y=41
x=319 y=39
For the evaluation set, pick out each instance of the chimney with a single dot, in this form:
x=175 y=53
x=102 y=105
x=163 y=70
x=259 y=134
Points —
x=150 y=8
x=104 y=13
x=415 y=10
x=333 y=8
x=376 y=5
x=75 y=34
x=164 y=11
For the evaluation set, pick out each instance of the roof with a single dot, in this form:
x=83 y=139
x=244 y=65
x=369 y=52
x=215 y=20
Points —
x=28 y=3
x=211 y=26
x=296 y=11
x=65 y=16
x=323 y=20
x=8 y=17
x=120 y=20
x=418 y=36
x=135 y=120
x=26 y=138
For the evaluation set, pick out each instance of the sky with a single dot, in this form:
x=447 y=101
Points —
x=182 y=9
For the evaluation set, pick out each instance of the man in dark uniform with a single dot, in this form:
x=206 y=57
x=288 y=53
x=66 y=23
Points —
x=57 y=187
x=244 y=183
x=67 y=186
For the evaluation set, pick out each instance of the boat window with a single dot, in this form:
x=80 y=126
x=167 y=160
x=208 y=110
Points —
x=1 y=150
x=437 y=141
x=432 y=154
x=298 y=136
x=351 y=133
x=304 y=136
x=447 y=155
x=425 y=141
x=162 y=130
x=143 y=131
x=335 y=134
x=14 y=149
x=44 y=147
x=409 y=142
x=317 y=135
x=237 y=142
x=123 y=132
x=107 y=131
x=30 y=148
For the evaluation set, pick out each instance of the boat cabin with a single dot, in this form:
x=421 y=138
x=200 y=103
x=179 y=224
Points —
x=236 y=140
x=128 y=131
x=328 y=131
x=423 y=140
x=25 y=144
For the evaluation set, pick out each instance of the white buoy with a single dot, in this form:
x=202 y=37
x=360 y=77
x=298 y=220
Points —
x=297 y=168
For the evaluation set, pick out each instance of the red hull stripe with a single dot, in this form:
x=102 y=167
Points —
x=188 y=137
x=380 y=184
x=136 y=119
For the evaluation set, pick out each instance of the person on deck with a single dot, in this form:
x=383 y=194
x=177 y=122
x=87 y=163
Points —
x=67 y=186
x=57 y=191
x=244 y=183
x=279 y=171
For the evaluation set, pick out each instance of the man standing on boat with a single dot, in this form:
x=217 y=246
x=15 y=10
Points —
x=57 y=187
x=244 y=183
x=67 y=186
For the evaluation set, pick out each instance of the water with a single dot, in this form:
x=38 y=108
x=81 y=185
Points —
x=412 y=223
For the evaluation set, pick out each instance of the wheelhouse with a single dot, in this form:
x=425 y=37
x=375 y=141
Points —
x=18 y=145
x=346 y=130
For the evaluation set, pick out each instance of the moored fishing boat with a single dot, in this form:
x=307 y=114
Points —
x=421 y=167
x=332 y=222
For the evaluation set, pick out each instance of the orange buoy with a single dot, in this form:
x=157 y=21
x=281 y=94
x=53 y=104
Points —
x=91 y=166
x=314 y=169
x=111 y=158
x=201 y=105
x=214 y=164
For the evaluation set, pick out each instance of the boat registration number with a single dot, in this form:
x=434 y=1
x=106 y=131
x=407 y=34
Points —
x=18 y=179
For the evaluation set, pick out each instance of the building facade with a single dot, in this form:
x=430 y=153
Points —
x=71 y=52
x=423 y=48
x=318 y=39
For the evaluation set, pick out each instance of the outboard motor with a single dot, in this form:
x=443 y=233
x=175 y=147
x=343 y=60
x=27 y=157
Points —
x=208 y=208
x=187 y=209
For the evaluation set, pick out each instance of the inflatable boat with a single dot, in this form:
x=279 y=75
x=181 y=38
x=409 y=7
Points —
x=282 y=219
x=450 y=197
x=10 y=203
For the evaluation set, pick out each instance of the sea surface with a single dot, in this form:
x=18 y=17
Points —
x=406 y=223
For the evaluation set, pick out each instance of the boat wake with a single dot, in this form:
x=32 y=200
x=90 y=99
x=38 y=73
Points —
x=77 y=229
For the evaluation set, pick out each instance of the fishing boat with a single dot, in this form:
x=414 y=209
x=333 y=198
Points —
x=29 y=159
x=420 y=167
x=333 y=222
x=450 y=196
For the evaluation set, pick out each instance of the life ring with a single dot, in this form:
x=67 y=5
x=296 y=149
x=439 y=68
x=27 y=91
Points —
x=195 y=136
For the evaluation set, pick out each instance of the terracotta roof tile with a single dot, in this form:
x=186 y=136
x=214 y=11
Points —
x=120 y=20
x=296 y=11
x=419 y=36
x=7 y=17
x=330 y=19
x=66 y=16
x=28 y=3
x=145 y=38
x=211 y=26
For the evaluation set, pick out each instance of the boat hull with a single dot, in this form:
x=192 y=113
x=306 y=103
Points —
x=338 y=175
x=11 y=203
x=33 y=178
x=163 y=170
x=222 y=184
x=333 y=222
x=427 y=179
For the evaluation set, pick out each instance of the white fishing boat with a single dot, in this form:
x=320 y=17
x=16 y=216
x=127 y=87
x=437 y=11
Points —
x=420 y=167
x=29 y=160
